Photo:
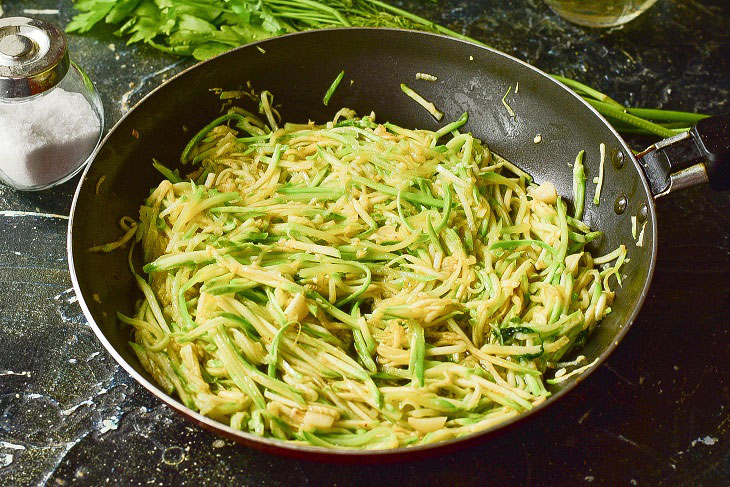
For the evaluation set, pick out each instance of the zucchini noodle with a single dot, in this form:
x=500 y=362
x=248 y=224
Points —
x=358 y=285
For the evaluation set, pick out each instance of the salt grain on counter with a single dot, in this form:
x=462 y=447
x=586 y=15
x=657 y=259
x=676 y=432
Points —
x=45 y=139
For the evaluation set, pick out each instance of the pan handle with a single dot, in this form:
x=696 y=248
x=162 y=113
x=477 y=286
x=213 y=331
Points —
x=690 y=158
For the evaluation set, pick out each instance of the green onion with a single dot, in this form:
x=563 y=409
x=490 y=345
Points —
x=581 y=88
x=620 y=114
x=332 y=88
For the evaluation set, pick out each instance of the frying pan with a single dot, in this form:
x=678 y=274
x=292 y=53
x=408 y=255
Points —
x=298 y=69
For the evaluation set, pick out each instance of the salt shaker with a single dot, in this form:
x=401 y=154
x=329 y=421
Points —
x=51 y=117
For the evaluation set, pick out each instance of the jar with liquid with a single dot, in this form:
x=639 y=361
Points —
x=600 y=13
x=51 y=117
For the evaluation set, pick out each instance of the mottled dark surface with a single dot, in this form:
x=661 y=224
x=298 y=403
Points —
x=655 y=414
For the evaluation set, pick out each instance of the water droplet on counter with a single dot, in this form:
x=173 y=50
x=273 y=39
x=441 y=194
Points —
x=173 y=455
x=619 y=206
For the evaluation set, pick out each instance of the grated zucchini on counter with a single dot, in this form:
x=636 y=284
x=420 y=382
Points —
x=356 y=284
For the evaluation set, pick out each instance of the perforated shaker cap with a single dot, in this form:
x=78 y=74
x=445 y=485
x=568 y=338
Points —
x=33 y=56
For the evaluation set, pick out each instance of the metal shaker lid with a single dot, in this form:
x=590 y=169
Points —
x=33 y=56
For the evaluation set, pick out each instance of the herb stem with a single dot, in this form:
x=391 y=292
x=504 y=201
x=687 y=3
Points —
x=420 y=20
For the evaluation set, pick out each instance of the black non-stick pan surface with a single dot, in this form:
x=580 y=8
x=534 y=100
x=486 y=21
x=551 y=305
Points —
x=298 y=69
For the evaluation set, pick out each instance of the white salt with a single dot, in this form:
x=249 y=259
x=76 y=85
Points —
x=46 y=138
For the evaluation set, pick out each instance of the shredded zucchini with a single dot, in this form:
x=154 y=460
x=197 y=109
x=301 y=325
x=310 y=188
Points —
x=357 y=285
x=429 y=106
x=426 y=77
x=579 y=186
x=598 y=180
x=506 y=105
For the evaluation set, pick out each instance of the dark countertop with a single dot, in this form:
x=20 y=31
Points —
x=656 y=413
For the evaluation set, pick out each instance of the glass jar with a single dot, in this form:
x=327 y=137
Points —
x=600 y=13
x=51 y=117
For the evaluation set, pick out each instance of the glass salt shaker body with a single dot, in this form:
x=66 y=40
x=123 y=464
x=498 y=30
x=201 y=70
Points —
x=51 y=117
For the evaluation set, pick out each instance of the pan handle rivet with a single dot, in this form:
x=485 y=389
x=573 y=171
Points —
x=619 y=206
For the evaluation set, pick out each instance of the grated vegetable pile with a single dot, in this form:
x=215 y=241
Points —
x=357 y=284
